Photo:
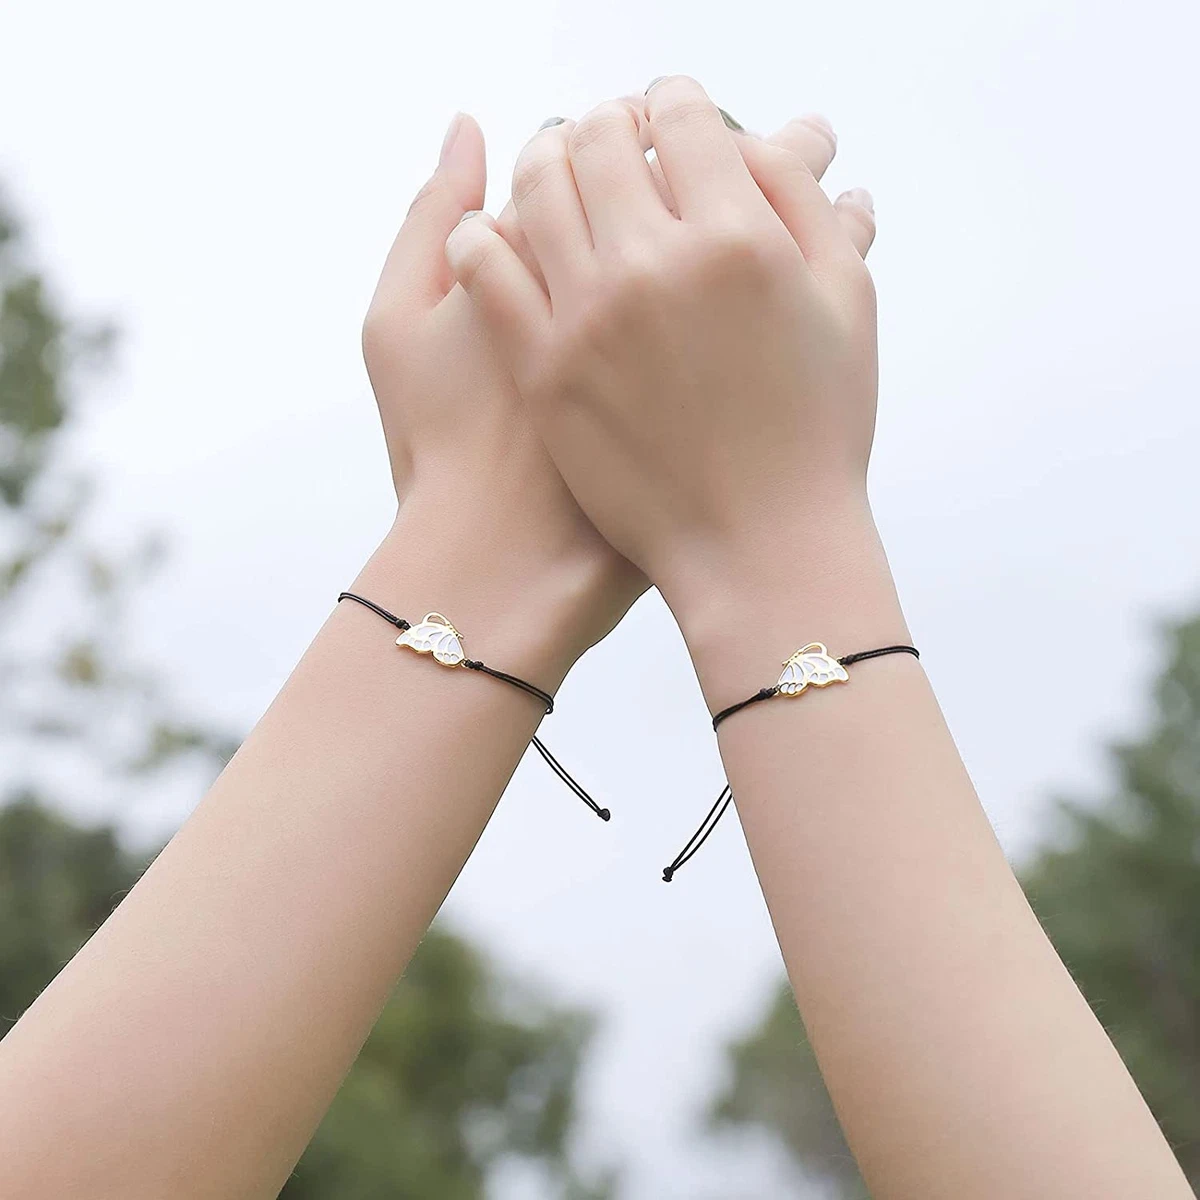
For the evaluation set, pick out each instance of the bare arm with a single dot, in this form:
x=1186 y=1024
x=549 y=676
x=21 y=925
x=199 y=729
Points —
x=960 y=1055
x=192 y=1046
x=705 y=379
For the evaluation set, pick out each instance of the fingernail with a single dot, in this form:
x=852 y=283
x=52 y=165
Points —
x=550 y=122
x=475 y=212
x=732 y=122
x=654 y=82
x=450 y=138
x=862 y=197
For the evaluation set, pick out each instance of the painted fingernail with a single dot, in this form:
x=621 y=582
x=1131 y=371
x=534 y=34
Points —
x=550 y=122
x=450 y=138
x=475 y=212
x=654 y=82
x=732 y=122
x=862 y=197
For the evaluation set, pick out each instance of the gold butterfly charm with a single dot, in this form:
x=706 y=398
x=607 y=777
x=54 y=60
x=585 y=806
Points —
x=810 y=664
x=435 y=635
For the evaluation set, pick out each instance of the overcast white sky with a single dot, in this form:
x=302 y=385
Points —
x=224 y=179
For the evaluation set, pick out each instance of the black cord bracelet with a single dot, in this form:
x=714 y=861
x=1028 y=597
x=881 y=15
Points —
x=437 y=636
x=810 y=666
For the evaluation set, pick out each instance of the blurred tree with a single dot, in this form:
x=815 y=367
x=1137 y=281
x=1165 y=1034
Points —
x=57 y=884
x=1117 y=889
x=1119 y=894
x=69 y=697
x=775 y=1087
x=456 y=1078
x=462 y=1076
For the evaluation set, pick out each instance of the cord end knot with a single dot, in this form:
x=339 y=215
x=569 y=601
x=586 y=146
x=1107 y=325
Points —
x=604 y=814
x=668 y=874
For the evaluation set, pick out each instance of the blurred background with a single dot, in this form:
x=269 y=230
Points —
x=194 y=203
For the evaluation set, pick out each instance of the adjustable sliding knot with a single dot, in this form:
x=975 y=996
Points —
x=810 y=666
x=435 y=635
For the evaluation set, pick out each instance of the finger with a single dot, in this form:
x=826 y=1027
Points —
x=856 y=211
x=811 y=137
x=611 y=173
x=699 y=158
x=505 y=293
x=415 y=270
x=794 y=193
x=510 y=230
x=549 y=207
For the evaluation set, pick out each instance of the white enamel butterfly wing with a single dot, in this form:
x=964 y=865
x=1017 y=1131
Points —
x=435 y=635
x=810 y=664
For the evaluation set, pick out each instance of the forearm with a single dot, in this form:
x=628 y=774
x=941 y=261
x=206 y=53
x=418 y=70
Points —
x=191 y=1048
x=959 y=1053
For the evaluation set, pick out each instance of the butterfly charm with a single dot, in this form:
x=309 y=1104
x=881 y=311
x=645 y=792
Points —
x=435 y=635
x=810 y=664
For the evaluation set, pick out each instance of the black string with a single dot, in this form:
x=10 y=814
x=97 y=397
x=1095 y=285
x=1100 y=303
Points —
x=726 y=797
x=544 y=697
x=701 y=835
x=529 y=688
x=399 y=622
x=765 y=694
x=863 y=655
x=561 y=772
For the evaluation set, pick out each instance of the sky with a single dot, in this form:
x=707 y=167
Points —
x=222 y=181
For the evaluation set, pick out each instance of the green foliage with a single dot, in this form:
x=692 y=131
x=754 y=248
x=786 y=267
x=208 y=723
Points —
x=1118 y=891
x=459 y=1076
x=775 y=1085
x=57 y=884
x=454 y=1078
x=1119 y=895
x=66 y=680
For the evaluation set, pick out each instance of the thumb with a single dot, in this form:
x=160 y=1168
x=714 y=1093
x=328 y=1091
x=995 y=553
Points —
x=505 y=293
x=416 y=265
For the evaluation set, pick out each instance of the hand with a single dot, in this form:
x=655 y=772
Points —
x=474 y=481
x=705 y=382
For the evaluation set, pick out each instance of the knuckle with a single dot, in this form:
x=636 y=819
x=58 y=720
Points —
x=635 y=267
x=684 y=112
x=599 y=125
x=673 y=89
x=623 y=299
x=736 y=250
x=535 y=170
x=478 y=262
x=790 y=164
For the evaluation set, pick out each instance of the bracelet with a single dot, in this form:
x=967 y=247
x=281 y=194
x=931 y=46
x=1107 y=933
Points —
x=810 y=666
x=435 y=635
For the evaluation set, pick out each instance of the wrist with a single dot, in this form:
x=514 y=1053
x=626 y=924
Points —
x=744 y=607
x=524 y=604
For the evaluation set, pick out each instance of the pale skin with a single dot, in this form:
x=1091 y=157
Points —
x=704 y=379
x=191 y=1048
